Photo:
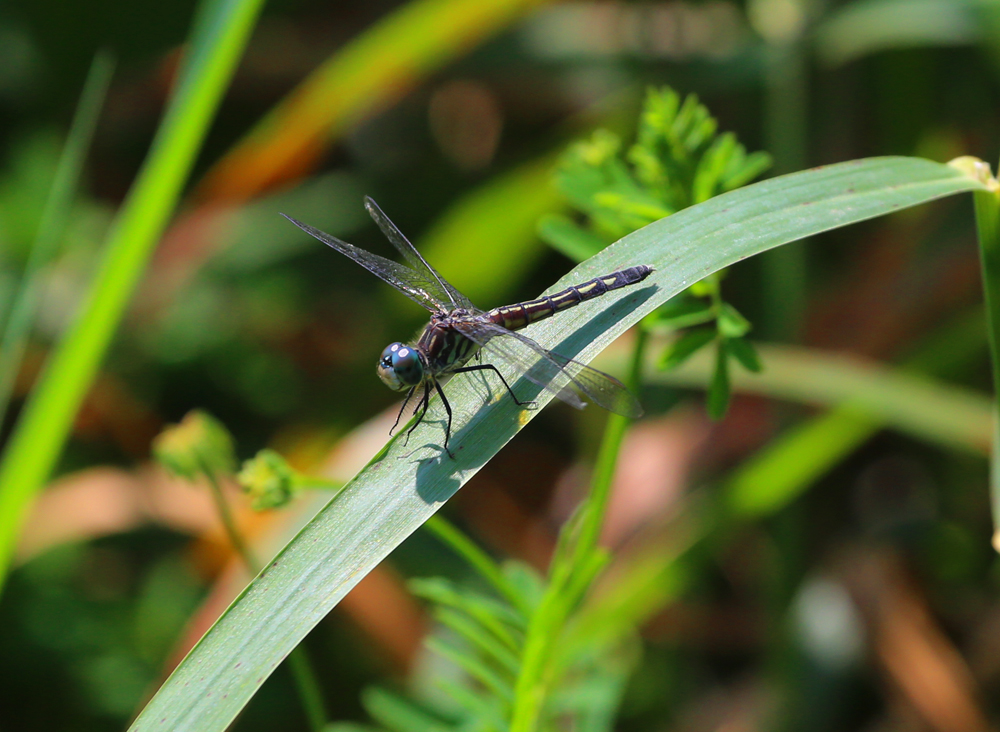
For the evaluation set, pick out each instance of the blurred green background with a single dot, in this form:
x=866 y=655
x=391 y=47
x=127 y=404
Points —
x=864 y=597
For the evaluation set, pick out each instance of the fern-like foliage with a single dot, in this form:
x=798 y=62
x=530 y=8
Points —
x=678 y=159
x=476 y=654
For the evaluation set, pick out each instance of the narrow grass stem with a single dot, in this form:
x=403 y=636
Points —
x=306 y=682
x=786 y=132
x=307 y=685
x=573 y=570
x=987 y=205
x=53 y=223
x=229 y=523
x=607 y=461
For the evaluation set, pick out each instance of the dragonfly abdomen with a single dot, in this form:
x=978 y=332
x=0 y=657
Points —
x=517 y=316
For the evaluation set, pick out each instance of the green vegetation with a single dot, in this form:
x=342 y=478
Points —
x=193 y=475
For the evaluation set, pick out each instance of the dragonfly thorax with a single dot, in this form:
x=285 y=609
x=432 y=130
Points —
x=400 y=367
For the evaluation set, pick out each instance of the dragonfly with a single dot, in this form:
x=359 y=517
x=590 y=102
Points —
x=461 y=338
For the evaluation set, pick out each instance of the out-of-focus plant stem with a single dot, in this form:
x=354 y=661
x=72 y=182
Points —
x=607 y=458
x=987 y=205
x=298 y=662
x=786 y=93
x=229 y=523
x=574 y=566
x=53 y=223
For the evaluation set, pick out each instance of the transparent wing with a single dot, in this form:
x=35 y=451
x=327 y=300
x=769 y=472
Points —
x=411 y=283
x=434 y=282
x=557 y=374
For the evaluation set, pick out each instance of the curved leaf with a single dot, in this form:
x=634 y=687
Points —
x=405 y=484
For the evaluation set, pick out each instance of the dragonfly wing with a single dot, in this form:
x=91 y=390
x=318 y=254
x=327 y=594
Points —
x=408 y=281
x=438 y=284
x=551 y=371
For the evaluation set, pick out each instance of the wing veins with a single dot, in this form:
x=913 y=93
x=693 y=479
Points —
x=554 y=372
x=413 y=256
x=403 y=278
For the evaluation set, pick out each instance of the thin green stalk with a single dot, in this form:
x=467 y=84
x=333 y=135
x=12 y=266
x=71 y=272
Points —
x=229 y=523
x=298 y=662
x=308 y=687
x=987 y=205
x=783 y=270
x=573 y=569
x=53 y=223
x=607 y=461
x=221 y=30
x=786 y=92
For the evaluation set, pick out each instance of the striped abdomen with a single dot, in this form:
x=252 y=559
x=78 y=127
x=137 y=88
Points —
x=517 y=316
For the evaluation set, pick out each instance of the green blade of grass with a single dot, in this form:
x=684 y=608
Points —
x=219 y=35
x=921 y=406
x=53 y=223
x=865 y=398
x=407 y=483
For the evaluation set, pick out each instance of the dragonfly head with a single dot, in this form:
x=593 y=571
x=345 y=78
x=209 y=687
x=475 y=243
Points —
x=400 y=367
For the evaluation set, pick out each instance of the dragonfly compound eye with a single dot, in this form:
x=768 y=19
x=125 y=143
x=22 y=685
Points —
x=400 y=367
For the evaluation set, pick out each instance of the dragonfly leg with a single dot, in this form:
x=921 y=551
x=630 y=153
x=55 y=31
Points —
x=402 y=409
x=491 y=367
x=447 y=408
x=425 y=401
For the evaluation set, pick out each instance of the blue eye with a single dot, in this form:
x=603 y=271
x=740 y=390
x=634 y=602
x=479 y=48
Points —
x=406 y=364
x=400 y=367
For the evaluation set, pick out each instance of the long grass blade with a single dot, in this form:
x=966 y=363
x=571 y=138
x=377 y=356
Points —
x=928 y=409
x=220 y=33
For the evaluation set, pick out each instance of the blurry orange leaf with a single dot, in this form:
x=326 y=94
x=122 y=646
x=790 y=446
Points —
x=366 y=76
